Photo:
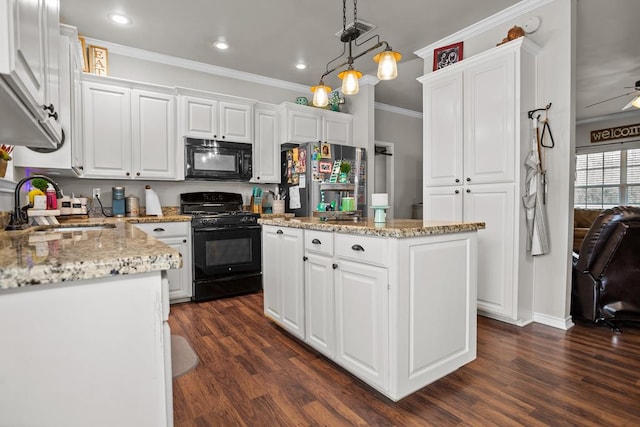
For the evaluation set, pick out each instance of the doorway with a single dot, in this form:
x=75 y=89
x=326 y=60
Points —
x=383 y=181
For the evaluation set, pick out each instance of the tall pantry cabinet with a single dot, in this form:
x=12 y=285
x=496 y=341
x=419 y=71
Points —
x=476 y=137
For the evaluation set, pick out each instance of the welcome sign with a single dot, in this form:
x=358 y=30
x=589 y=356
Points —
x=620 y=132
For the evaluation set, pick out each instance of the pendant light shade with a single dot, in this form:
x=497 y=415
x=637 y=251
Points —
x=387 y=64
x=321 y=95
x=350 y=79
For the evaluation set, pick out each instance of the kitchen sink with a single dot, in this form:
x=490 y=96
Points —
x=79 y=227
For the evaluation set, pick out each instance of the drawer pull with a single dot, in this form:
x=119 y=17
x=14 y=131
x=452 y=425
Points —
x=184 y=240
x=304 y=258
x=335 y=266
x=279 y=232
x=159 y=229
x=357 y=248
x=316 y=242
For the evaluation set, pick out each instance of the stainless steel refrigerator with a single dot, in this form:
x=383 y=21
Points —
x=311 y=171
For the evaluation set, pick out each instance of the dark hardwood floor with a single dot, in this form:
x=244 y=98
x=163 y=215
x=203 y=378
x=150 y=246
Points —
x=252 y=373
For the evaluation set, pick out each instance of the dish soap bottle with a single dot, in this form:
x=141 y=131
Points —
x=52 y=200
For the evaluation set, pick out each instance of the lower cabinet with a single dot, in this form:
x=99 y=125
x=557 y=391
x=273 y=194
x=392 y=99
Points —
x=178 y=236
x=282 y=277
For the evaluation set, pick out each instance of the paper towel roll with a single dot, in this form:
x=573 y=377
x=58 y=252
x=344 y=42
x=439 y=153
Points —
x=152 y=202
x=379 y=199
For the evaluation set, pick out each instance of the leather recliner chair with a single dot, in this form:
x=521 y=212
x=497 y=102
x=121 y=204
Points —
x=606 y=273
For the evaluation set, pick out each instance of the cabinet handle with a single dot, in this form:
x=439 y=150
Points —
x=304 y=258
x=157 y=230
x=49 y=108
x=215 y=136
x=81 y=168
x=184 y=240
x=223 y=137
x=468 y=179
x=137 y=173
x=457 y=180
x=357 y=248
x=457 y=191
x=258 y=178
x=54 y=115
x=316 y=242
x=335 y=266
x=468 y=191
x=128 y=174
x=279 y=232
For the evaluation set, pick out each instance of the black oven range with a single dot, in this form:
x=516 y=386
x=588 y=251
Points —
x=227 y=252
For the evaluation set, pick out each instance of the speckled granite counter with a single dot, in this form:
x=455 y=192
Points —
x=392 y=228
x=42 y=255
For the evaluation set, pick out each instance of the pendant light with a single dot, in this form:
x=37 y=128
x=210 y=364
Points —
x=387 y=60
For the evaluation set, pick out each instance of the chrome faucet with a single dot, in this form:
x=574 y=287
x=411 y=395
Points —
x=18 y=219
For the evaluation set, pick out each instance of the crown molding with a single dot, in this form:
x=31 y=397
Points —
x=188 y=64
x=506 y=15
x=398 y=110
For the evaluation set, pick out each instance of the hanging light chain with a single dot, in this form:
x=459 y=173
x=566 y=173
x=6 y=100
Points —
x=344 y=15
x=355 y=14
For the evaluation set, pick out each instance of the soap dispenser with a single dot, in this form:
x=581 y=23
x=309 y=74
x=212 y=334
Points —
x=52 y=200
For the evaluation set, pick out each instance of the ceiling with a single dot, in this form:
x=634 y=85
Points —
x=269 y=38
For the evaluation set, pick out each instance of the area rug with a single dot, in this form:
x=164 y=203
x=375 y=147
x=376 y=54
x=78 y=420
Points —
x=183 y=358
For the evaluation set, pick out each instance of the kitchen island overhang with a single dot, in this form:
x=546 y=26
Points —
x=395 y=304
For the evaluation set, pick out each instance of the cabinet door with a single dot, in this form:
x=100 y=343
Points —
x=319 y=315
x=337 y=129
x=283 y=277
x=489 y=117
x=107 y=130
x=25 y=64
x=266 y=147
x=442 y=128
x=236 y=122
x=199 y=117
x=154 y=148
x=494 y=205
x=303 y=126
x=362 y=320
x=442 y=204
x=180 y=286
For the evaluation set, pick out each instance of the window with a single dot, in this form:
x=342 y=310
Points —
x=607 y=179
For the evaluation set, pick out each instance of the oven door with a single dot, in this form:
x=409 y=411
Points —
x=220 y=252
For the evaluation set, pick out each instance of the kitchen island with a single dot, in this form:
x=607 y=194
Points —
x=392 y=303
x=84 y=334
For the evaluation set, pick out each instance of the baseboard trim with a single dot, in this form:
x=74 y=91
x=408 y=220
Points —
x=555 y=322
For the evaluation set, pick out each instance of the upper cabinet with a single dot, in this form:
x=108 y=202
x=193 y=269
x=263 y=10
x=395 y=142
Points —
x=301 y=124
x=266 y=146
x=29 y=71
x=129 y=130
x=211 y=116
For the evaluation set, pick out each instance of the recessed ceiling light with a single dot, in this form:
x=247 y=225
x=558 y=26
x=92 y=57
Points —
x=221 y=44
x=301 y=66
x=118 y=18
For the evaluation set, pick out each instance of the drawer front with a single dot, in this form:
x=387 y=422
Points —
x=166 y=229
x=371 y=250
x=319 y=242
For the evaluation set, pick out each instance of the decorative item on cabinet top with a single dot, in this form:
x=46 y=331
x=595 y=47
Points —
x=99 y=60
x=513 y=33
x=447 y=55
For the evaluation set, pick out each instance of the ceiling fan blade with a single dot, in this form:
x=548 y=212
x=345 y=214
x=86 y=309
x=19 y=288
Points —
x=610 y=99
x=629 y=105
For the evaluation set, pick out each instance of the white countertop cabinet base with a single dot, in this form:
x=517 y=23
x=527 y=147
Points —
x=399 y=313
x=95 y=352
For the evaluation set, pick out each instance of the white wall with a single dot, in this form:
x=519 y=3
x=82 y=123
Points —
x=583 y=131
x=406 y=134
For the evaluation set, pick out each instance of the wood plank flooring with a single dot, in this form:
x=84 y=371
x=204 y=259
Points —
x=251 y=373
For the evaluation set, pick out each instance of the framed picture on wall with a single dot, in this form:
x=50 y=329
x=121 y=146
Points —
x=447 y=55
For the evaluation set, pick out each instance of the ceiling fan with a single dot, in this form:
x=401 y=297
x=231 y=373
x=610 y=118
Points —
x=635 y=102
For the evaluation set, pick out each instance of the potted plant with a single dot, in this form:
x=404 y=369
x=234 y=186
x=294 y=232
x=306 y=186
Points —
x=5 y=157
x=345 y=169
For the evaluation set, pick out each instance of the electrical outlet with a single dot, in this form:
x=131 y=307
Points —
x=96 y=193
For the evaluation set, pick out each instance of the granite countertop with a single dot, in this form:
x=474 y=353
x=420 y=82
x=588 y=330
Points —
x=42 y=254
x=391 y=228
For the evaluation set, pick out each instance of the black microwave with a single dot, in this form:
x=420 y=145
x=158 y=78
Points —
x=209 y=160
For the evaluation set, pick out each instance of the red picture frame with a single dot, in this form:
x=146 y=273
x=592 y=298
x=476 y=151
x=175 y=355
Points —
x=447 y=55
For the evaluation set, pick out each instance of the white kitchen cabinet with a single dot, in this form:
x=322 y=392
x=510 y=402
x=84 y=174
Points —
x=476 y=137
x=283 y=277
x=178 y=236
x=375 y=305
x=266 y=145
x=67 y=159
x=29 y=99
x=129 y=131
x=301 y=124
x=207 y=115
